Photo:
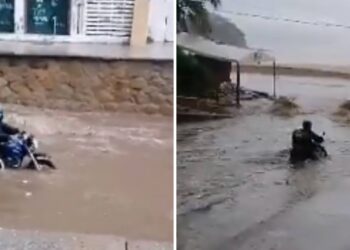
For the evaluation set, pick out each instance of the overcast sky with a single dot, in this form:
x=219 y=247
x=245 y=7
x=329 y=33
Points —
x=291 y=42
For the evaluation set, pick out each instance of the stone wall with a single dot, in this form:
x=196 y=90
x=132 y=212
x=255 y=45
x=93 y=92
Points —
x=88 y=85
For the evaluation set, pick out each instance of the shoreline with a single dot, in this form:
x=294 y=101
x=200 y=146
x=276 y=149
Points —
x=298 y=70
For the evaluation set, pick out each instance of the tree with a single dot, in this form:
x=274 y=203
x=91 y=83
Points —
x=193 y=78
x=194 y=11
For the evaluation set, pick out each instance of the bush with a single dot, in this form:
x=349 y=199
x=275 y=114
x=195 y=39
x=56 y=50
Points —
x=193 y=78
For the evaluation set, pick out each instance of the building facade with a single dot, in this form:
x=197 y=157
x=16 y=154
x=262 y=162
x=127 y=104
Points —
x=109 y=21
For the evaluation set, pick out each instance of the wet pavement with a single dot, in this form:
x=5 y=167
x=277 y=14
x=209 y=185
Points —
x=114 y=176
x=236 y=189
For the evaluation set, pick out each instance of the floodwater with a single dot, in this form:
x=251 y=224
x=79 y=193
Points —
x=114 y=175
x=236 y=189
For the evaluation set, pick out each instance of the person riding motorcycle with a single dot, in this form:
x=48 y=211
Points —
x=6 y=130
x=305 y=141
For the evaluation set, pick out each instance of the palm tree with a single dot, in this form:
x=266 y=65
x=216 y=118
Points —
x=194 y=11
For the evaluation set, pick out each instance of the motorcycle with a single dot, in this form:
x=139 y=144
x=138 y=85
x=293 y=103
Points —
x=21 y=151
x=300 y=155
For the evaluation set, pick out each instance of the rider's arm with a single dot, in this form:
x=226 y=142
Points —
x=293 y=137
x=317 y=138
x=3 y=138
x=9 y=129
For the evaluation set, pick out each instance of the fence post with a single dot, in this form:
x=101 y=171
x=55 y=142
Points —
x=274 y=79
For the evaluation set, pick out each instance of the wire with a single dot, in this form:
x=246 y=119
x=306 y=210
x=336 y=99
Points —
x=284 y=19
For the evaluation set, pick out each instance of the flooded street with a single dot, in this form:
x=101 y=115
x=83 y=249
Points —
x=236 y=189
x=114 y=175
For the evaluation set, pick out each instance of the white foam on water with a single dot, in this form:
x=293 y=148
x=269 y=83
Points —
x=52 y=125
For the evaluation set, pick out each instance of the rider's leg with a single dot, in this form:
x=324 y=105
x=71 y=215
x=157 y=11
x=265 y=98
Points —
x=3 y=140
x=26 y=162
x=312 y=152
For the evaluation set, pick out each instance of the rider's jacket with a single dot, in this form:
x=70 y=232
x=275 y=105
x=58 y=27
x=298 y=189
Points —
x=6 y=130
x=302 y=138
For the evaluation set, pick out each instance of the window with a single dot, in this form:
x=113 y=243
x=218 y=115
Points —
x=7 y=9
x=67 y=20
x=48 y=17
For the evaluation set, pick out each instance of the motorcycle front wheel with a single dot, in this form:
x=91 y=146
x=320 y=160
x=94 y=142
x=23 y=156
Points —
x=47 y=162
x=43 y=161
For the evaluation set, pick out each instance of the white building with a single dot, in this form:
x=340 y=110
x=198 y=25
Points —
x=133 y=22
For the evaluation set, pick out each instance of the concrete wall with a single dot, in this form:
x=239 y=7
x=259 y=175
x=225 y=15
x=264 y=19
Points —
x=88 y=85
x=139 y=24
x=161 y=20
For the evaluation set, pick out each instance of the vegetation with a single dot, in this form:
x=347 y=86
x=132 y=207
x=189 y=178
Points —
x=193 y=79
x=194 y=11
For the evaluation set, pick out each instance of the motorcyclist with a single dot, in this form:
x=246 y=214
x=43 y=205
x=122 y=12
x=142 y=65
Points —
x=6 y=130
x=305 y=140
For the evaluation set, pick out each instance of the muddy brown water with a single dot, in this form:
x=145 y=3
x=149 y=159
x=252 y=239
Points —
x=114 y=175
x=233 y=174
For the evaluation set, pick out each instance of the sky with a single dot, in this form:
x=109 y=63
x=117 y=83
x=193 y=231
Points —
x=290 y=42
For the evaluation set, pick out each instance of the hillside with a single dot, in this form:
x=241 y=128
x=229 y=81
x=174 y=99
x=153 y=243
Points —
x=222 y=31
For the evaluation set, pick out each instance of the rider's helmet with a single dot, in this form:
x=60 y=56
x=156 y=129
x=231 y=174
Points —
x=1 y=115
x=307 y=125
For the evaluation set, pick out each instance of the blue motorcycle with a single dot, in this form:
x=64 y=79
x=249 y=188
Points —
x=21 y=151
